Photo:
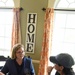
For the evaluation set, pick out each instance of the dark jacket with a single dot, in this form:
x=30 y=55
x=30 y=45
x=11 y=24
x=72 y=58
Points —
x=11 y=69
x=70 y=73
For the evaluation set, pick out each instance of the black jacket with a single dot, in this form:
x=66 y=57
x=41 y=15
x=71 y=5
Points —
x=70 y=73
x=10 y=67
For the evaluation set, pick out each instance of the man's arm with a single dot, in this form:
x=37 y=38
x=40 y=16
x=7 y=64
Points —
x=49 y=69
x=2 y=73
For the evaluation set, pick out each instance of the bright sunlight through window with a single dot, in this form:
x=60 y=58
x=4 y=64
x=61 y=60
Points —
x=6 y=18
x=63 y=40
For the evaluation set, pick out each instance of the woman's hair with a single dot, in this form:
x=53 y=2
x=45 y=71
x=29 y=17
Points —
x=15 y=49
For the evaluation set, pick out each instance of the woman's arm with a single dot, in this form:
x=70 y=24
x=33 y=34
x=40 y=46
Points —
x=5 y=69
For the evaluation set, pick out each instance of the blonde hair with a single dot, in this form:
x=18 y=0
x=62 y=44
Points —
x=15 y=48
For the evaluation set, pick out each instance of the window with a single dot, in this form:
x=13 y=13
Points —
x=63 y=40
x=6 y=3
x=6 y=18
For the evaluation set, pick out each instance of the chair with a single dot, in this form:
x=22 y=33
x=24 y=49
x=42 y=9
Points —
x=2 y=61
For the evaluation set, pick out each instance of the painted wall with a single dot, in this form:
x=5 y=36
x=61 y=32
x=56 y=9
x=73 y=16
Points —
x=16 y=3
x=51 y=3
x=34 y=6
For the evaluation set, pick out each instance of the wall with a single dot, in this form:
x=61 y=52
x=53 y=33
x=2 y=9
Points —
x=16 y=3
x=51 y=3
x=34 y=6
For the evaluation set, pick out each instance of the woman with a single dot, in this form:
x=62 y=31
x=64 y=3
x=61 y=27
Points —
x=18 y=64
x=63 y=63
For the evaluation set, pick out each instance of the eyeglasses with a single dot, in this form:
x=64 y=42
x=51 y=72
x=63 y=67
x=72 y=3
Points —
x=19 y=52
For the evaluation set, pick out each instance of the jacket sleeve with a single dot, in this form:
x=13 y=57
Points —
x=28 y=66
x=32 y=68
x=5 y=68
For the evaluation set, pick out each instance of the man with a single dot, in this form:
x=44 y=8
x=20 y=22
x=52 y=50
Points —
x=63 y=63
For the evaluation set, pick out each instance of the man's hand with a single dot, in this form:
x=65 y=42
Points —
x=2 y=73
x=49 y=69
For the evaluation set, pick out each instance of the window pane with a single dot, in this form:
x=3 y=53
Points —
x=6 y=19
x=7 y=3
x=60 y=20
x=70 y=20
x=1 y=30
x=10 y=3
x=1 y=43
x=69 y=35
x=8 y=43
x=8 y=29
x=62 y=4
